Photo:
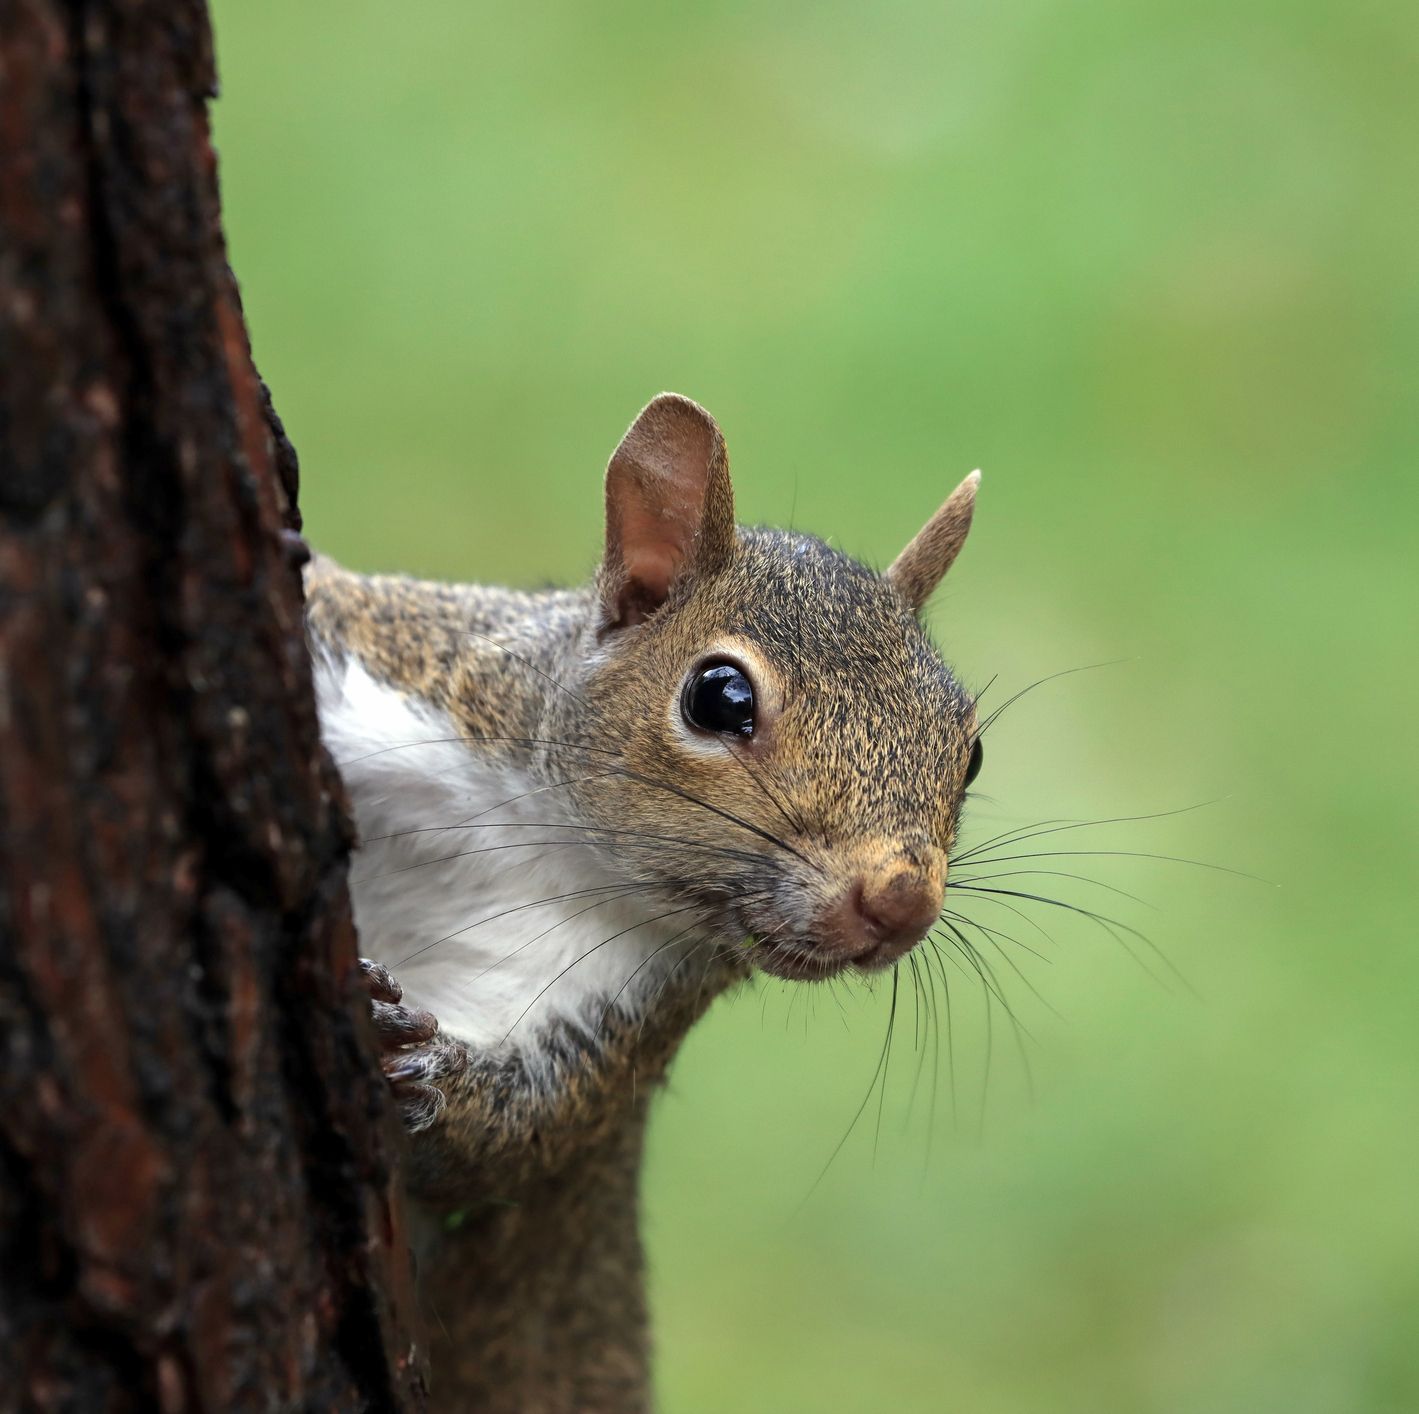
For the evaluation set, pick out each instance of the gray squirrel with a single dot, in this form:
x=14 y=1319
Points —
x=583 y=815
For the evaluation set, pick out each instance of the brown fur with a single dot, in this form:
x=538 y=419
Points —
x=856 y=769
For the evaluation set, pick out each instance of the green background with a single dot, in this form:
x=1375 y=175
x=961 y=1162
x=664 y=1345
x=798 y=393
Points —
x=1151 y=266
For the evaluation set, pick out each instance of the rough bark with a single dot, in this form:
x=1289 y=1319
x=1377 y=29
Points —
x=196 y=1151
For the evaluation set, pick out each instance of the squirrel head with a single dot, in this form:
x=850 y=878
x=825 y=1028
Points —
x=790 y=753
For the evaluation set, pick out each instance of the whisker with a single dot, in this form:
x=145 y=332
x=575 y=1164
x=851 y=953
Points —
x=1025 y=918
x=1003 y=837
x=1051 y=874
x=919 y=1009
x=1119 y=854
x=975 y=701
x=644 y=923
x=645 y=962
x=468 y=853
x=979 y=965
x=582 y=701
x=697 y=950
x=478 y=740
x=1055 y=827
x=468 y=820
x=593 y=830
x=989 y=1058
x=552 y=928
x=993 y=936
x=723 y=814
x=933 y=1026
x=1018 y=1030
x=527 y=663
x=950 y=1029
x=518 y=908
x=624 y=771
x=882 y=1094
x=738 y=759
x=1102 y=920
x=1034 y=952
x=1063 y=673
x=872 y=1085
x=728 y=950
x=916 y=1011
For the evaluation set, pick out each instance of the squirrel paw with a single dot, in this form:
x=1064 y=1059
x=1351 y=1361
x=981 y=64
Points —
x=415 y=1058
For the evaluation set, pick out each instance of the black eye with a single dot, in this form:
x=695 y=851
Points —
x=719 y=699
x=974 y=764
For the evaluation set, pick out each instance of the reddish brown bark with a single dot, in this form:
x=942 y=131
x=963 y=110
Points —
x=196 y=1150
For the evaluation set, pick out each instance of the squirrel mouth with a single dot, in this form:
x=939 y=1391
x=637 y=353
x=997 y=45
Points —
x=802 y=960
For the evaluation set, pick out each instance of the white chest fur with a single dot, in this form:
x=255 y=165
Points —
x=472 y=885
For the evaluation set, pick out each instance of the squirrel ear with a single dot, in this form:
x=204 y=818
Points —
x=669 y=508
x=922 y=565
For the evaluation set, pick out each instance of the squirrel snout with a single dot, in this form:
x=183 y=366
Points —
x=886 y=912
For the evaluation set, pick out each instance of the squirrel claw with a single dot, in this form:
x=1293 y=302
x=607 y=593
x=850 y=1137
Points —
x=379 y=981
x=400 y=1026
x=416 y=1075
x=414 y=1057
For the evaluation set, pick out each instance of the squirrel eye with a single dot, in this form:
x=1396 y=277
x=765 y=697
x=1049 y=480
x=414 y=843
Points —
x=719 y=699
x=974 y=764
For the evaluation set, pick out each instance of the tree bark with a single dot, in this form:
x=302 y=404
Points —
x=197 y=1206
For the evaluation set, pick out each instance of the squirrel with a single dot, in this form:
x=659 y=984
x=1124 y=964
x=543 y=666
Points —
x=583 y=814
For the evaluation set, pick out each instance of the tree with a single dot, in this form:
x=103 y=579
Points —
x=197 y=1200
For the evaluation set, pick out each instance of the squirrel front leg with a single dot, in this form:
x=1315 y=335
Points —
x=485 y=1124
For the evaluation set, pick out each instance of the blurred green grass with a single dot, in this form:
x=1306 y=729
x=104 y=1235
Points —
x=1153 y=268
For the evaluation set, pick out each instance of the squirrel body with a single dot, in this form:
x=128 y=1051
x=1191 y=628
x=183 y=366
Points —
x=584 y=814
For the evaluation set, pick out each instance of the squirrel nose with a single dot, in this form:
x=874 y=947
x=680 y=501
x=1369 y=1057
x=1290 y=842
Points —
x=895 y=908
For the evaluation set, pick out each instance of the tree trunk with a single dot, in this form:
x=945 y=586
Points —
x=197 y=1209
